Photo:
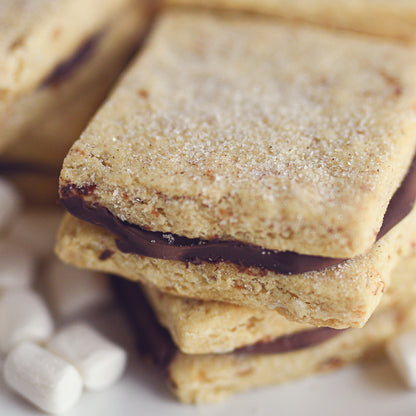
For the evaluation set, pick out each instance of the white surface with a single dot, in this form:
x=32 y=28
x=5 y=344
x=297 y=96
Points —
x=372 y=389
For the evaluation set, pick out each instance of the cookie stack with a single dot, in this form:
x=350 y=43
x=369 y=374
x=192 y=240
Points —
x=257 y=176
x=59 y=59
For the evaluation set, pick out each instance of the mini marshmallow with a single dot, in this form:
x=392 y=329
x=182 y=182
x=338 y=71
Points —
x=36 y=230
x=402 y=353
x=99 y=361
x=23 y=317
x=45 y=380
x=72 y=291
x=17 y=266
x=10 y=202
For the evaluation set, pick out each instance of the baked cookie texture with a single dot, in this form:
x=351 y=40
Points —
x=34 y=159
x=212 y=377
x=203 y=327
x=225 y=128
x=340 y=296
x=58 y=52
x=392 y=18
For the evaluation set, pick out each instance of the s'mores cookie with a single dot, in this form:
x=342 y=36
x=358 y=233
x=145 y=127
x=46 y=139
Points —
x=393 y=18
x=200 y=327
x=229 y=166
x=58 y=60
x=202 y=378
x=203 y=327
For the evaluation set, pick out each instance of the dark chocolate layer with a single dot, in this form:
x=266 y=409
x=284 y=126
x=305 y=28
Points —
x=133 y=239
x=66 y=68
x=292 y=342
x=401 y=203
x=155 y=340
x=152 y=338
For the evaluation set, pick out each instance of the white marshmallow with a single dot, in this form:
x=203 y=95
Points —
x=10 y=202
x=402 y=353
x=42 y=378
x=72 y=291
x=17 y=266
x=23 y=317
x=36 y=230
x=99 y=361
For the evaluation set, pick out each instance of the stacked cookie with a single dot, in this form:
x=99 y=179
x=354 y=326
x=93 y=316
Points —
x=258 y=177
x=394 y=19
x=59 y=59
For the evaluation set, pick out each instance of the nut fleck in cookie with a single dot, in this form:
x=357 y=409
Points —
x=59 y=58
x=212 y=377
x=394 y=18
x=228 y=155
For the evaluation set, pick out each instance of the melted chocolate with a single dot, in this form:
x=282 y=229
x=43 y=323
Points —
x=401 y=203
x=292 y=342
x=66 y=68
x=133 y=239
x=152 y=338
x=155 y=340
x=106 y=254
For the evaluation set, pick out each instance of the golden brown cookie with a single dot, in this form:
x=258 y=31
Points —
x=212 y=377
x=225 y=128
x=59 y=59
x=339 y=296
x=202 y=327
x=392 y=18
x=244 y=172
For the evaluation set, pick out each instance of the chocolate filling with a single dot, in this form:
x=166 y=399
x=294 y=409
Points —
x=133 y=239
x=292 y=342
x=152 y=338
x=155 y=340
x=106 y=254
x=66 y=68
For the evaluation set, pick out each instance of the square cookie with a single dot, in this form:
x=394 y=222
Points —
x=392 y=18
x=203 y=327
x=59 y=59
x=210 y=378
x=227 y=156
x=341 y=296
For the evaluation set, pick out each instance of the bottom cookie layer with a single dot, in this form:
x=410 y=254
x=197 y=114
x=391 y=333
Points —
x=204 y=327
x=209 y=378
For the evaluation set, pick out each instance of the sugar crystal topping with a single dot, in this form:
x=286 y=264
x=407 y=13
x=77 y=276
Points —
x=275 y=111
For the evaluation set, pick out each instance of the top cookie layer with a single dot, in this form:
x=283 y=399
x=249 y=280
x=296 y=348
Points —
x=288 y=137
x=395 y=18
